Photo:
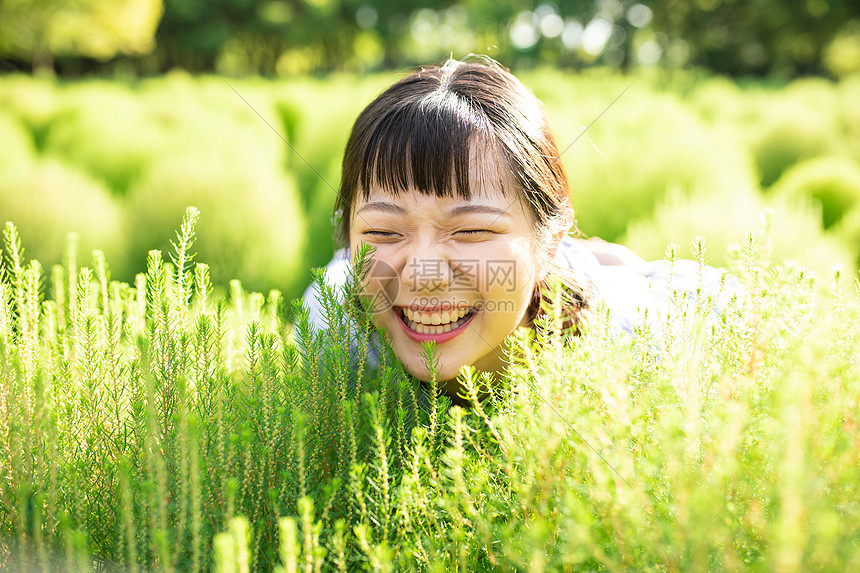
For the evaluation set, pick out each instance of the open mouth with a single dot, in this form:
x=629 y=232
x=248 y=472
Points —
x=431 y=325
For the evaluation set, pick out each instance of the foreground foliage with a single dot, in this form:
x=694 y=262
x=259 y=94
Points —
x=158 y=427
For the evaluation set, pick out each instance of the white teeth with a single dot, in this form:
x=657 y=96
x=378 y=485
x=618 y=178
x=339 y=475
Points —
x=435 y=318
x=436 y=322
x=426 y=325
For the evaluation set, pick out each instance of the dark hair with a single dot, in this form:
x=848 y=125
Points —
x=422 y=131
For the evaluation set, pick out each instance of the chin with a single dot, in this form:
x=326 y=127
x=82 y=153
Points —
x=411 y=357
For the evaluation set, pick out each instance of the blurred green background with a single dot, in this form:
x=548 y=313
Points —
x=116 y=114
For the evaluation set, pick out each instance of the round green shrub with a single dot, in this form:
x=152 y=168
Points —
x=317 y=120
x=795 y=230
x=49 y=200
x=638 y=151
x=18 y=148
x=788 y=127
x=590 y=90
x=848 y=94
x=251 y=226
x=848 y=229
x=105 y=131
x=719 y=100
x=115 y=132
x=831 y=182
x=34 y=101
x=195 y=112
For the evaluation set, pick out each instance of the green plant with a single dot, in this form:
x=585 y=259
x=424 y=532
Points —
x=18 y=149
x=315 y=119
x=831 y=182
x=252 y=222
x=797 y=236
x=786 y=131
x=848 y=229
x=644 y=147
x=33 y=101
x=51 y=200
x=149 y=418
x=167 y=412
x=848 y=91
x=102 y=128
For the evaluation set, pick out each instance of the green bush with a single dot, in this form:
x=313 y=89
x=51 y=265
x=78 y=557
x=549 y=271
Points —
x=848 y=93
x=719 y=100
x=115 y=132
x=50 y=200
x=18 y=149
x=102 y=128
x=318 y=118
x=848 y=229
x=796 y=232
x=587 y=92
x=833 y=183
x=786 y=128
x=644 y=147
x=209 y=112
x=253 y=224
x=33 y=101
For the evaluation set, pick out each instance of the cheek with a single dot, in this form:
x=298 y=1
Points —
x=528 y=265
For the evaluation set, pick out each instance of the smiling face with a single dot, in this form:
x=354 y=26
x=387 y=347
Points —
x=456 y=272
x=454 y=176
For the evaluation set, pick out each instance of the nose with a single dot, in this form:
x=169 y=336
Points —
x=428 y=270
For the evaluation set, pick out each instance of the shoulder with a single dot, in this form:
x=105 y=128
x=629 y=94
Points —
x=630 y=286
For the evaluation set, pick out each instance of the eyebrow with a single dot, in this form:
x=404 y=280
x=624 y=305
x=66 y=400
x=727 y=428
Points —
x=470 y=209
x=384 y=207
x=460 y=210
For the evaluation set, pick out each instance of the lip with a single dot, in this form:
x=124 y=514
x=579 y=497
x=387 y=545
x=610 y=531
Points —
x=438 y=308
x=437 y=338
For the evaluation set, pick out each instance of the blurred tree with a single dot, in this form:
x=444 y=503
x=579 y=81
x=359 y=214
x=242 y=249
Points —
x=390 y=19
x=37 y=31
x=787 y=38
x=265 y=36
x=194 y=34
x=249 y=36
x=736 y=37
x=842 y=55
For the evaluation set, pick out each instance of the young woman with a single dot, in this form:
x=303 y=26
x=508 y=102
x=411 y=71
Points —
x=453 y=175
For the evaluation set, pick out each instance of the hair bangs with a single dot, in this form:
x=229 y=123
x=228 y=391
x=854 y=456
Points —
x=425 y=145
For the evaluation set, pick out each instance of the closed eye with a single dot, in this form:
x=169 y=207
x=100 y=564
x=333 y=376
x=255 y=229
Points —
x=380 y=234
x=474 y=231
